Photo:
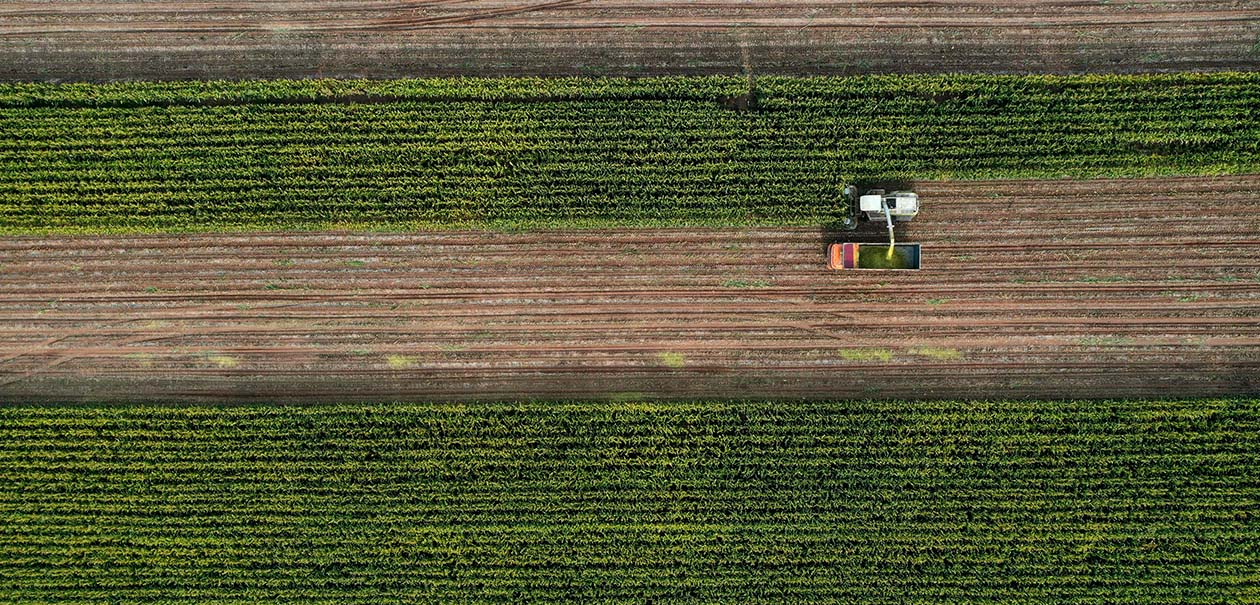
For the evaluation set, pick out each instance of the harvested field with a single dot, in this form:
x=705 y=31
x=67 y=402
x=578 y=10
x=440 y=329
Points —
x=1110 y=288
x=87 y=40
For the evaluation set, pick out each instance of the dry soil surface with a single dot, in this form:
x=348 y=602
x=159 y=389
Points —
x=159 y=39
x=1112 y=288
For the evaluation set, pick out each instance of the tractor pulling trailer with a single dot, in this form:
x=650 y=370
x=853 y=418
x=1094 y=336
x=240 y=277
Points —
x=890 y=208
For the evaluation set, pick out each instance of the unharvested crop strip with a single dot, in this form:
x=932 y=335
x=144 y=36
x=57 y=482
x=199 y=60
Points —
x=572 y=152
x=928 y=501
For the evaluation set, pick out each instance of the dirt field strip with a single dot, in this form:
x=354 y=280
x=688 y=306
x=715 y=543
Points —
x=78 y=40
x=1115 y=288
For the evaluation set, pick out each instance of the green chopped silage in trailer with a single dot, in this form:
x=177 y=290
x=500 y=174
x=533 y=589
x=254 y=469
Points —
x=877 y=256
x=905 y=502
x=531 y=153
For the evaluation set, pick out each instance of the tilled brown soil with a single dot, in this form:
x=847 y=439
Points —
x=1113 y=288
x=152 y=39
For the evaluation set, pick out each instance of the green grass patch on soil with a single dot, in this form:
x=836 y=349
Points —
x=746 y=284
x=938 y=353
x=866 y=355
x=527 y=153
x=400 y=362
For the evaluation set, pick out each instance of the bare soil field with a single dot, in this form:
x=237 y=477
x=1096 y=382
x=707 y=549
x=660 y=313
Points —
x=1114 y=288
x=80 y=40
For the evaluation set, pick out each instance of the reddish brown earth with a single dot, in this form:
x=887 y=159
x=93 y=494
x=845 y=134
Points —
x=159 y=39
x=1029 y=289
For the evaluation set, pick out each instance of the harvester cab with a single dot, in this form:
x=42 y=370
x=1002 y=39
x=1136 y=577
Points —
x=899 y=206
x=876 y=205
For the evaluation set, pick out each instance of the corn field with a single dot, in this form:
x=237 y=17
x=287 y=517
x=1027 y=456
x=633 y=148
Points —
x=537 y=153
x=854 y=502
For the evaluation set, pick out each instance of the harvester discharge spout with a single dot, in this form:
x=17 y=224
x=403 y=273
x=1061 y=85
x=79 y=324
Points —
x=892 y=239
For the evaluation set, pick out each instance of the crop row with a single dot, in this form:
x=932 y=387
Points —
x=501 y=89
x=531 y=152
x=862 y=502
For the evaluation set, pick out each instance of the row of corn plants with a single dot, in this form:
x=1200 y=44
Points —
x=855 y=502
x=524 y=153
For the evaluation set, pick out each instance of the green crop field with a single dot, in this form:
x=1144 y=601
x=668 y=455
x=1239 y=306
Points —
x=850 y=502
x=529 y=153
